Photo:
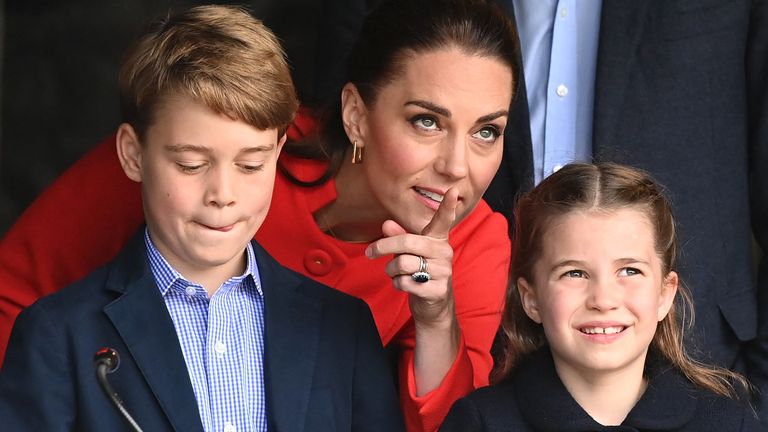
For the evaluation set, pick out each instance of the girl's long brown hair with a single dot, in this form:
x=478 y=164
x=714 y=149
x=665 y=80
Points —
x=602 y=187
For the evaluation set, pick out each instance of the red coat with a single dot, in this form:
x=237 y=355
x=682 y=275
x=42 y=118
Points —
x=49 y=248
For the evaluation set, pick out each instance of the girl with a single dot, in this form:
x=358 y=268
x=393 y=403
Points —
x=592 y=336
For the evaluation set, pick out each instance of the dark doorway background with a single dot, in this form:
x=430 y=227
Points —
x=59 y=63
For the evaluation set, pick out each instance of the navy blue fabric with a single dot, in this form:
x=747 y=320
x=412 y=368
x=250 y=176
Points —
x=534 y=399
x=325 y=368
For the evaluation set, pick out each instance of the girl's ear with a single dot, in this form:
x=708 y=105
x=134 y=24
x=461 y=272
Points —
x=528 y=299
x=668 y=293
x=354 y=114
x=129 y=151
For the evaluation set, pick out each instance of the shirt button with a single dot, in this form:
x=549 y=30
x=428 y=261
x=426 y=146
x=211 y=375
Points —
x=563 y=12
x=562 y=90
x=229 y=427
x=190 y=290
x=220 y=347
x=556 y=168
x=317 y=262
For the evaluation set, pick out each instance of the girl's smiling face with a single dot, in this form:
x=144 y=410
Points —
x=598 y=290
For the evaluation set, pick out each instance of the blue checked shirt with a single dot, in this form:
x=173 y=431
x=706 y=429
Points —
x=222 y=339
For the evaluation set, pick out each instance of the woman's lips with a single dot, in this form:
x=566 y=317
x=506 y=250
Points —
x=432 y=198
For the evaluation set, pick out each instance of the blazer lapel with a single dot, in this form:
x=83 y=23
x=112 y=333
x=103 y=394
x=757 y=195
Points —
x=621 y=28
x=142 y=320
x=515 y=173
x=292 y=333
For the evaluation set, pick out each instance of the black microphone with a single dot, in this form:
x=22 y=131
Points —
x=106 y=361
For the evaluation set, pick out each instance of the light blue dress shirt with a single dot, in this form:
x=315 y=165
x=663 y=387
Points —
x=559 y=41
x=222 y=339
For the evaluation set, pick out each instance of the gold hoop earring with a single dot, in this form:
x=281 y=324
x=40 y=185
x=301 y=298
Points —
x=357 y=153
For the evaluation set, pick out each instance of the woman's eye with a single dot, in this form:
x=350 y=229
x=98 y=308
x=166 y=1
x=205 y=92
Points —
x=425 y=122
x=629 y=271
x=488 y=134
x=574 y=274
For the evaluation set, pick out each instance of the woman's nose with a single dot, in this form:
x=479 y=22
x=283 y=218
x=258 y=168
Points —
x=452 y=161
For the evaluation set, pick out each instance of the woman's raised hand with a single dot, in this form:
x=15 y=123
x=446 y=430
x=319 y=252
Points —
x=431 y=301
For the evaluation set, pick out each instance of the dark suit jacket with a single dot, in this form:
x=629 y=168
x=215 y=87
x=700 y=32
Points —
x=681 y=91
x=325 y=369
x=535 y=399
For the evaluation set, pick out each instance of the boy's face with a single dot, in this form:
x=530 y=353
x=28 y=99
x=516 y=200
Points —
x=207 y=182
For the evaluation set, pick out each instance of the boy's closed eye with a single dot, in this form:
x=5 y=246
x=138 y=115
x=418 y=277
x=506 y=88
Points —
x=249 y=168
x=190 y=167
x=193 y=168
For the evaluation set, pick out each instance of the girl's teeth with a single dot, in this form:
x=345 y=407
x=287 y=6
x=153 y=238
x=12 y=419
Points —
x=601 y=330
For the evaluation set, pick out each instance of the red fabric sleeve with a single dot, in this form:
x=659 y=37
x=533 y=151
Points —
x=78 y=224
x=480 y=275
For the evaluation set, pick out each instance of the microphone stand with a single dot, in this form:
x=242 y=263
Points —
x=107 y=361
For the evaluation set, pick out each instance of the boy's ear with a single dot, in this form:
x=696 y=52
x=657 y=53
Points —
x=528 y=299
x=668 y=293
x=353 y=114
x=281 y=142
x=129 y=151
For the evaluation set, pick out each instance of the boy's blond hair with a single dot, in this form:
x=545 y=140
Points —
x=220 y=56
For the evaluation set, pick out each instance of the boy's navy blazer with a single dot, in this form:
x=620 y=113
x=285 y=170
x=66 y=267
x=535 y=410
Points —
x=325 y=368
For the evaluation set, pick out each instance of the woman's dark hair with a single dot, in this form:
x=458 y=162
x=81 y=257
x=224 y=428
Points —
x=392 y=32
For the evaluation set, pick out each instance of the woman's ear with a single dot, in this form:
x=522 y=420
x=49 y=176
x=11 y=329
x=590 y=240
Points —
x=129 y=151
x=353 y=114
x=667 y=294
x=528 y=299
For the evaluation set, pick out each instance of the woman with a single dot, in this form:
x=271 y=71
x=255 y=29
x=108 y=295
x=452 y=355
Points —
x=389 y=193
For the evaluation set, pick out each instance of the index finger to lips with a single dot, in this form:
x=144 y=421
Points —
x=443 y=219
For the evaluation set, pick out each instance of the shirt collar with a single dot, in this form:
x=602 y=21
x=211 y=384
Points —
x=166 y=276
x=668 y=402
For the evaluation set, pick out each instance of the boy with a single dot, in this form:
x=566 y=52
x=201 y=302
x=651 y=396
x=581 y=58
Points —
x=213 y=334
